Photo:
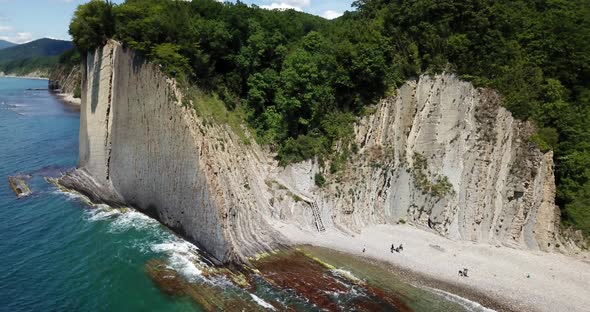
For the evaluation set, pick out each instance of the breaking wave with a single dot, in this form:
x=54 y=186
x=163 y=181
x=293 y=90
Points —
x=181 y=255
x=464 y=302
x=262 y=303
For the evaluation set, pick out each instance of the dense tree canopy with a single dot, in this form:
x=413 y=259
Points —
x=300 y=79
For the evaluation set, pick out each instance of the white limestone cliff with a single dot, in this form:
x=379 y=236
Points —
x=440 y=154
x=444 y=155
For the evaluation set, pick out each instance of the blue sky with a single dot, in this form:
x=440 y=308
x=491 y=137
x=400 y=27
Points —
x=25 y=20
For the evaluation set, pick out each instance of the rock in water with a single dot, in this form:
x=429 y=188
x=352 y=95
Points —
x=19 y=186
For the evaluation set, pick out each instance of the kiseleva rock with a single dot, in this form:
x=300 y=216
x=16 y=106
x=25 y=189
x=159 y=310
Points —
x=440 y=154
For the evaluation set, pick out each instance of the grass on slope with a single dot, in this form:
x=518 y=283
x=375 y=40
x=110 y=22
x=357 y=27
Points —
x=213 y=111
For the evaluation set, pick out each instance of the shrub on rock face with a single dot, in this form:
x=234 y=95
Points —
x=320 y=180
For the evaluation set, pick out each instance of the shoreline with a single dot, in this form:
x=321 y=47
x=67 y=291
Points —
x=449 y=291
x=67 y=99
x=23 y=77
x=500 y=278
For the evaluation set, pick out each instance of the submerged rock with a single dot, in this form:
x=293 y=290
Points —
x=206 y=293
x=324 y=286
x=166 y=279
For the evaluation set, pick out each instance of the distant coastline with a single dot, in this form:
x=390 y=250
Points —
x=33 y=76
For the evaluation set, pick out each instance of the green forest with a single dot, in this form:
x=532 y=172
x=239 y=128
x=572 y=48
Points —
x=38 y=56
x=299 y=81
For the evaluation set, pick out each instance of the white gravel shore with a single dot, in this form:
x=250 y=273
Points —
x=522 y=279
x=69 y=99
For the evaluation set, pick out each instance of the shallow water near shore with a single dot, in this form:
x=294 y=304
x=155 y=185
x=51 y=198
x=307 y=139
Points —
x=59 y=253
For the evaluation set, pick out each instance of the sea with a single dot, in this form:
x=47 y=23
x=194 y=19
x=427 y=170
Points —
x=56 y=252
x=59 y=253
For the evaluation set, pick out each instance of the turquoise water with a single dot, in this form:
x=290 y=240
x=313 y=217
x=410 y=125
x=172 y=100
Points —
x=56 y=253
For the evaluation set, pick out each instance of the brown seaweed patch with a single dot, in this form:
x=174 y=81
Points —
x=314 y=281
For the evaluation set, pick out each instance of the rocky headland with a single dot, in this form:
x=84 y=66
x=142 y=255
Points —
x=439 y=155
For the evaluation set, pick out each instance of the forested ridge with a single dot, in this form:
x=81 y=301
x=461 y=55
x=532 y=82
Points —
x=38 y=56
x=299 y=80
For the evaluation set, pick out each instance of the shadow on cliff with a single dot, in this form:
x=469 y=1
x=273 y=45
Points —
x=96 y=80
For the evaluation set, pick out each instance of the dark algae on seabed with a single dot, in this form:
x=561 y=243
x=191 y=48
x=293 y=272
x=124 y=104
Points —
x=297 y=279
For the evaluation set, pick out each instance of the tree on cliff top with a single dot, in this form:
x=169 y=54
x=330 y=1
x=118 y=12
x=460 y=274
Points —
x=299 y=77
x=93 y=24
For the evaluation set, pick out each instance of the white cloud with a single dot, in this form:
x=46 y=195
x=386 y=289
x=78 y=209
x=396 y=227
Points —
x=329 y=14
x=287 y=4
x=298 y=3
x=20 y=37
x=5 y=28
x=280 y=6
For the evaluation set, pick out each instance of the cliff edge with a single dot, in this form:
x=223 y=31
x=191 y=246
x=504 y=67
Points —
x=441 y=154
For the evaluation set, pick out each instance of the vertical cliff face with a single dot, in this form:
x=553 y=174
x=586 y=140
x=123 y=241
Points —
x=440 y=154
x=139 y=146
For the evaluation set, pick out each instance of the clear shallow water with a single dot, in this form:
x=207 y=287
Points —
x=56 y=253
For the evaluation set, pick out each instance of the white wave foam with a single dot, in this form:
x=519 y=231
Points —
x=183 y=258
x=102 y=212
x=464 y=302
x=69 y=195
x=347 y=274
x=262 y=303
x=132 y=219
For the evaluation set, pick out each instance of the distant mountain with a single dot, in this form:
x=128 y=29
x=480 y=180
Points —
x=37 y=48
x=36 y=57
x=5 y=44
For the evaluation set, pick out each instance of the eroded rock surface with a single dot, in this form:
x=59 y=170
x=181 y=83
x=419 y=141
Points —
x=444 y=155
x=139 y=145
x=440 y=154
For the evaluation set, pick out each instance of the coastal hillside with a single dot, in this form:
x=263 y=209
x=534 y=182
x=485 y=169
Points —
x=299 y=82
x=35 y=58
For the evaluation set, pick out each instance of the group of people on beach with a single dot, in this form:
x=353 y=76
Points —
x=397 y=249
x=400 y=248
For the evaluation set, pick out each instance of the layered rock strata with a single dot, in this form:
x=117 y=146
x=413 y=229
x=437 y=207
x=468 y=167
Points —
x=444 y=155
x=140 y=146
x=440 y=154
